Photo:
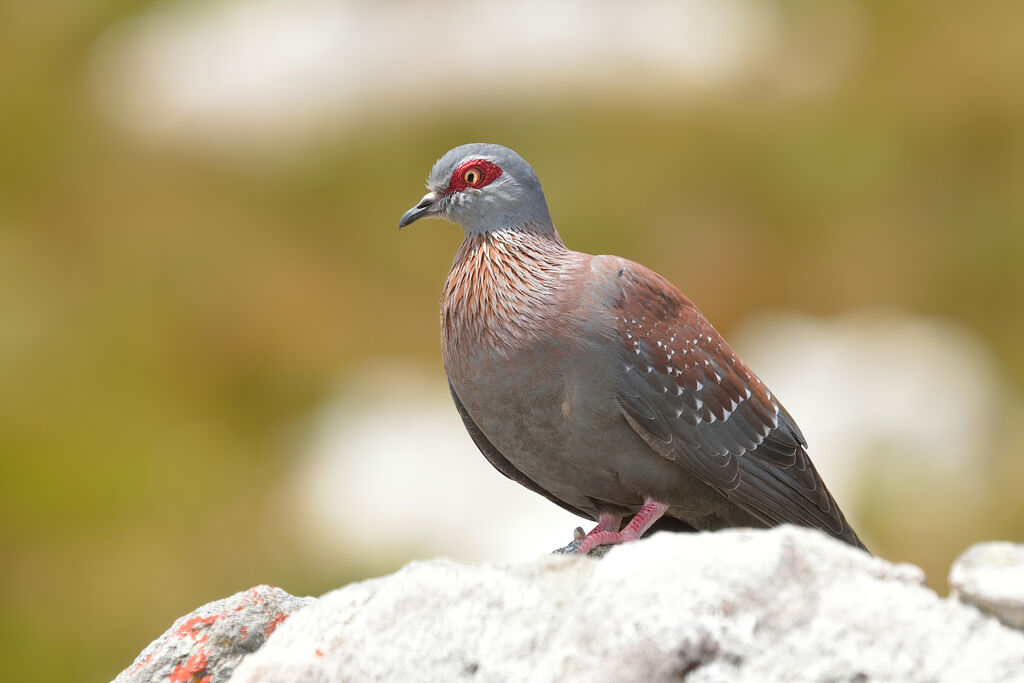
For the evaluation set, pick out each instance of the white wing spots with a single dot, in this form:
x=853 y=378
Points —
x=679 y=413
x=629 y=367
x=679 y=390
x=718 y=378
x=700 y=385
x=700 y=404
x=706 y=362
x=650 y=369
x=708 y=337
x=747 y=389
x=659 y=344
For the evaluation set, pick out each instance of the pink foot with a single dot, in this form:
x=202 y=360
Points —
x=605 y=522
x=605 y=532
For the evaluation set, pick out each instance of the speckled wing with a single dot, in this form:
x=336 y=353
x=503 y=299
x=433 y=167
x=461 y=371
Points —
x=695 y=402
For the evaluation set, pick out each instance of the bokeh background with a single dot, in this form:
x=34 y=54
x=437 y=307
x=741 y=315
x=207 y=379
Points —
x=219 y=359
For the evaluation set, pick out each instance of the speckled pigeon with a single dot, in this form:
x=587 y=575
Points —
x=594 y=382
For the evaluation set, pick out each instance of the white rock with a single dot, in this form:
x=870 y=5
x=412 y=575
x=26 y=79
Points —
x=741 y=605
x=206 y=645
x=990 y=576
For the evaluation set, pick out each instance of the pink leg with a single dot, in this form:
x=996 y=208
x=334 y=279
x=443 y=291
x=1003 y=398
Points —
x=606 y=521
x=641 y=522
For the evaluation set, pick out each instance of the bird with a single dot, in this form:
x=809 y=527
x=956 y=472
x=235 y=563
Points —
x=594 y=382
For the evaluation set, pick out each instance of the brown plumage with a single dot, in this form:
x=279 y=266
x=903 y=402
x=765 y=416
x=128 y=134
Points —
x=593 y=381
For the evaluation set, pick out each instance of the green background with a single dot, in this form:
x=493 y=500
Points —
x=168 y=317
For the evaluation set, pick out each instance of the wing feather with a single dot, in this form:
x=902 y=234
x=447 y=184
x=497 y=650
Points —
x=688 y=394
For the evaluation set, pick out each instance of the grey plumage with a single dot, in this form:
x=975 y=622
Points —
x=594 y=382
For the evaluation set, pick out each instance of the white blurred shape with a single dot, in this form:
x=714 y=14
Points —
x=257 y=69
x=392 y=473
x=874 y=381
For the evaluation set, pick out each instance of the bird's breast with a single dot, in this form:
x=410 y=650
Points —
x=505 y=291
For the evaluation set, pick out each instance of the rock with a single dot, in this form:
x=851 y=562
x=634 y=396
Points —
x=739 y=605
x=990 y=576
x=206 y=645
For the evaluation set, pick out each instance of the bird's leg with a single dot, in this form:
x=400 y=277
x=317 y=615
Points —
x=606 y=521
x=641 y=522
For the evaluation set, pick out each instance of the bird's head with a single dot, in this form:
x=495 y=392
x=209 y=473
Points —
x=483 y=188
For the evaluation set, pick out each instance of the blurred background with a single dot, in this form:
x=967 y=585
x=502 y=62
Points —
x=219 y=360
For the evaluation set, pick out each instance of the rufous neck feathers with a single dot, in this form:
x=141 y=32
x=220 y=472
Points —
x=502 y=288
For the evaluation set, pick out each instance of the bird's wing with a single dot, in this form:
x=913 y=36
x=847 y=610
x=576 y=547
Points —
x=500 y=462
x=684 y=390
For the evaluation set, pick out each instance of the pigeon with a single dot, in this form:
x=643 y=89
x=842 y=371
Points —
x=594 y=382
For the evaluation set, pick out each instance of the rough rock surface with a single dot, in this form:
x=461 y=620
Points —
x=740 y=605
x=206 y=645
x=990 y=576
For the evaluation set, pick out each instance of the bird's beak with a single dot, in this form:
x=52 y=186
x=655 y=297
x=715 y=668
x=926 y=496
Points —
x=426 y=207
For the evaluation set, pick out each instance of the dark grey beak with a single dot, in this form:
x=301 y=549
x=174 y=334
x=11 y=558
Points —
x=426 y=207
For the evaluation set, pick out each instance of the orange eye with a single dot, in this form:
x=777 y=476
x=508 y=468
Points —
x=473 y=173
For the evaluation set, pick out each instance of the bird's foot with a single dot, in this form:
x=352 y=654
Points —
x=603 y=534
x=577 y=537
x=605 y=522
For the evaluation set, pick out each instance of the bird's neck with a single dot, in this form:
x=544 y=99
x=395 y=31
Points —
x=503 y=288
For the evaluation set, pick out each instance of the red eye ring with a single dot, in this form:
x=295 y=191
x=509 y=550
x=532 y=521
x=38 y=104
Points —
x=475 y=174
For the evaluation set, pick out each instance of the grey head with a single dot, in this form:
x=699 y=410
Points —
x=483 y=188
